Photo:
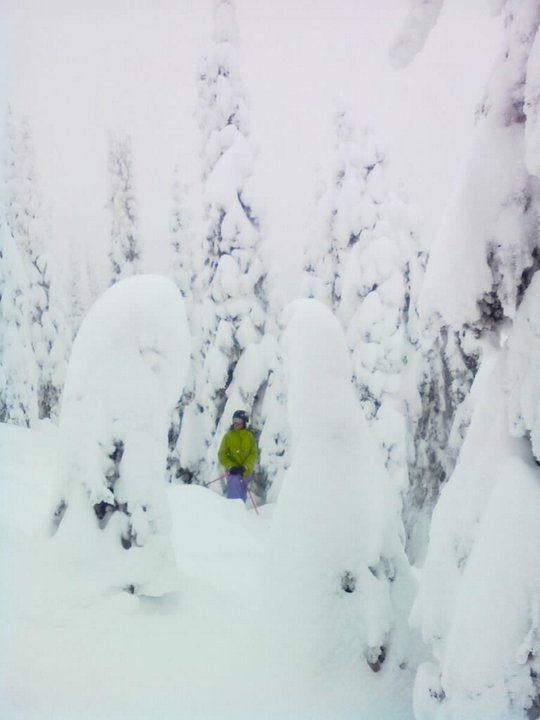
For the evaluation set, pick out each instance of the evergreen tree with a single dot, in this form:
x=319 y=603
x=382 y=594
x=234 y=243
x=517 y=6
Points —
x=78 y=286
x=230 y=290
x=26 y=222
x=338 y=577
x=19 y=372
x=182 y=264
x=3 y=403
x=121 y=384
x=125 y=253
x=80 y=289
x=482 y=259
x=182 y=238
x=522 y=379
x=482 y=280
x=367 y=264
x=340 y=215
x=444 y=376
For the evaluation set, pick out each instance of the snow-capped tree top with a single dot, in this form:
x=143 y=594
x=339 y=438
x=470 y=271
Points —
x=322 y=406
x=423 y=15
x=25 y=214
x=488 y=237
x=125 y=252
x=505 y=91
x=495 y=6
x=321 y=400
x=138 y=322
x=225 y=29
x=28 y=225
x=221 y=96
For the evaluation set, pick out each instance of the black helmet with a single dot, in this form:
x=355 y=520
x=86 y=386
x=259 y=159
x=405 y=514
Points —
x=241 y=415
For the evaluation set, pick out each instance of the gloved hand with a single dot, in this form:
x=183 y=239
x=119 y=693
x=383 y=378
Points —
x=237 y=470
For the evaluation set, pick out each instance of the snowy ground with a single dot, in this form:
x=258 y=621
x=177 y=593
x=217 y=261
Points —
x=70 y=653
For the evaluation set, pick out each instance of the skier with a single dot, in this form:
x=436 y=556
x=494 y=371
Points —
x=238 y=454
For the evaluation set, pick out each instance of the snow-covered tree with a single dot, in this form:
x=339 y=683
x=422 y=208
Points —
x=443 y=377
x=78 y=286
x=487 y=249
x=339 y=214
x=366 y=263
x=19 y=371
x=478 y=604
x=484 y=256
x=127 y=369
x=271 y=414
x=423 y=14
x=26 y=223
x=338 y=581
x=230 y=288
x=319 y=255
x=522 y=376
x=184 y=253
x=125 y=252
x=3 y=403
x=182 y=237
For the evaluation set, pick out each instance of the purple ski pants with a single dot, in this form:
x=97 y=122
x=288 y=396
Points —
x=237 y=486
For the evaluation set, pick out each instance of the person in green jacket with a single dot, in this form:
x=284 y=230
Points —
x=238 y=455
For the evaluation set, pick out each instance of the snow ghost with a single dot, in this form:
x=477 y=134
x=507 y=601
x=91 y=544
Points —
x=337 y=571
x=126 y=372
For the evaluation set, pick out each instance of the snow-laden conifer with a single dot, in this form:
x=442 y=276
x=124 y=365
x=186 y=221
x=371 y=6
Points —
x=443 y=377
x=182 y=238
x=184 y=260
x=257 y=384
x=27 y=224
x=339 y=583
x=230 y=282
x=366 y=262
x=481 y=575
x=522 y=376
x=481 y=262
x=485 y=253
x=125 y=253
x=3 y=405
x=480 y=578
x=127 y=369
x=78 y=286
x=19 y=371
x=342 y=211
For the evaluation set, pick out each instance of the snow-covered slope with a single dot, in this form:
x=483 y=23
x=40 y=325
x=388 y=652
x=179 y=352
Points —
x=71 y=652
x=68 y=651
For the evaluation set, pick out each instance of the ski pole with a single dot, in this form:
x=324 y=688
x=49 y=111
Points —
x=252 y=501
x=221 y=477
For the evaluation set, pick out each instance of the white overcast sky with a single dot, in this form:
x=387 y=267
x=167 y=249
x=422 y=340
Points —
x=80 y=68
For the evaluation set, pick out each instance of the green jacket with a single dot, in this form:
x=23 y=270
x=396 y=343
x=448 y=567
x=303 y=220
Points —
x=238 y=447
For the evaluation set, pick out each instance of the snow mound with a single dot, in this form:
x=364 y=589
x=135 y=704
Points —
x=126 y=372
x=336 y=564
